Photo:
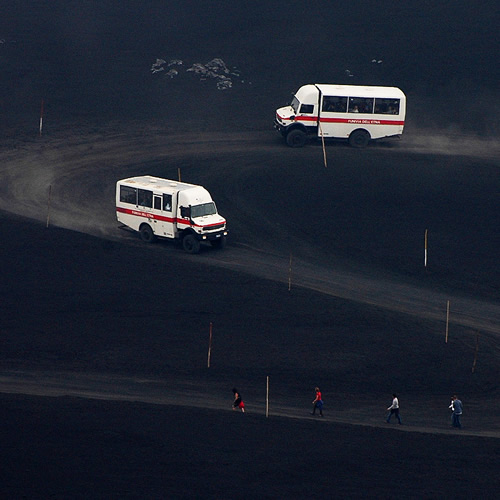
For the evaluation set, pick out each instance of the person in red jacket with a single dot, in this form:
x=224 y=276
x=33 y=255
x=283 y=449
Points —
x=238 y=401
x=318 y=403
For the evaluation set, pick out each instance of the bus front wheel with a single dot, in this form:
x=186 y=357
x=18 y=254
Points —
x=296 y=138
x=190 y=244
x=147 y=234
x=359 y=139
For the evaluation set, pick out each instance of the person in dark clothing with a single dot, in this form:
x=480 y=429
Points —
x=317 y=403
x=457 y=408
x=238 y=401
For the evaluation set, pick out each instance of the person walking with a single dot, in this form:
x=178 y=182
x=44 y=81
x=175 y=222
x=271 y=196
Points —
x=317 y=403
x=394 y=410
x=238 y=401
x=456 y=408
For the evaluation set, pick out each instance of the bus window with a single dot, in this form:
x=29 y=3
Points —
x=333 y=104
x=167 y=202
x=145 y=198
x=295 y=104
x=307 y=108
x=157 y=200
x=361 y=105
x=128 y=195
x=387 y=106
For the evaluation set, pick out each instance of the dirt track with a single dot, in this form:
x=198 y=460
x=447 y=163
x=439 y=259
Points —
x=104 y=387
x=81 y=172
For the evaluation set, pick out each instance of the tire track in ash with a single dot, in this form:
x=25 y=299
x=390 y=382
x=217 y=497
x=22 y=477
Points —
x=83 y=169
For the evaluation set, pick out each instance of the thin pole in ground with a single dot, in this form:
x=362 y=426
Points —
x=425 y=249
x=323 y=144
x=290 y=273
x=41 y=118
x=267 y=397
x=447 y=320
x=209 y=345
x=179 y=174
x=48 y=205
x=475 y=353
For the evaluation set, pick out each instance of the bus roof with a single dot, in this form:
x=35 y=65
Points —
x=358 y=90
x=150 y=182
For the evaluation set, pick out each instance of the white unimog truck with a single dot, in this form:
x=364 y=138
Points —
x=351 y=112
x=164 y=208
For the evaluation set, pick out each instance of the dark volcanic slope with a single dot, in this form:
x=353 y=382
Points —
x=105 y=389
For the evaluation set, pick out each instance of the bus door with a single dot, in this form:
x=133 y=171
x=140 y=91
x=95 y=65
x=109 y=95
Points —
x=163 y=215
x=145 y=203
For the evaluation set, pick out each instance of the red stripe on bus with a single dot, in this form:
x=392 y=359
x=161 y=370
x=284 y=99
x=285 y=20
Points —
x=356 y=121
x=149 y=215
x=362 y=121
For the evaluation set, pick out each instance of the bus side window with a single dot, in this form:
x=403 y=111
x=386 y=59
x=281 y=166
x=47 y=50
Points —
x=128 y=195
x=307 y=108
x=145 y=198
x=387 y=106
x=167 y=202
x=157 y=201
x=334 y=104
x=360 y=105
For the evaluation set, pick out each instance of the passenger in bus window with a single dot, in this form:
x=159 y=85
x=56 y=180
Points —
x=167 y=202
x=367 y=106
x=328 y=104
x=355 y=109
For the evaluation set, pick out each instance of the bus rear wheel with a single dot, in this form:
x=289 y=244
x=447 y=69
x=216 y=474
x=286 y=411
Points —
x=359 y=139
x=147 y=234
x=190 y=244
x=296 y=138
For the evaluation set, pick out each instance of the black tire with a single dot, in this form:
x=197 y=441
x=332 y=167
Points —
x=190 y=243
x=147 y=234
x=219 y=242
x=359 y=139
x=296 y=138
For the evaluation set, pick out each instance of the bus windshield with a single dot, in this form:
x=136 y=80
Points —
x=203 y=209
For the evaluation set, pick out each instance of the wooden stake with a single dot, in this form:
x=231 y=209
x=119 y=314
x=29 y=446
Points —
x=447 y=320
x=267 y=397
x=425 y=251
x=48 y=205
x=475 y=353
x=290 y=273
x=41 y=118
x=209 y=345
x=179 y=173
x=323 y=143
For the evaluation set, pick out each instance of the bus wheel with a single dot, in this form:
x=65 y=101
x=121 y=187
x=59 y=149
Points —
x=296 y=138
x=359 y=139
x=190 y=243
x=147 y=234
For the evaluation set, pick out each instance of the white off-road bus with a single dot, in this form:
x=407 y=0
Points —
x=164 y=208
x=351 y=112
